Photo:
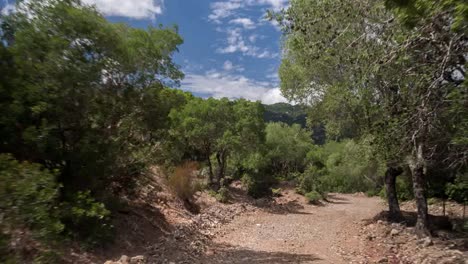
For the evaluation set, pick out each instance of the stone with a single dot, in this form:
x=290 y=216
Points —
x=394 y=232
x=383 y=260
x=425 y=242
x=137 y=260
x=124 y=259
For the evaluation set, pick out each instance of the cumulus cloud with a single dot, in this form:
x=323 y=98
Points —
x=235 y=42
x=229 y=66
x=224 y=9
x=218 y=85
x=8 y=9
x=247 y=23
x=140 y=9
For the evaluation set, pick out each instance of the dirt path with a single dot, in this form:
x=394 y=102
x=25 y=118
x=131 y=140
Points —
x=293 y=231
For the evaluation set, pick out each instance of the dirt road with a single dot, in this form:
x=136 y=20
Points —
x=296 y=232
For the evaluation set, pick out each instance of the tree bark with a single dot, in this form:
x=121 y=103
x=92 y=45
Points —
x=210 y=173
x=221 y=159
x=419 y=189
x=390 y=187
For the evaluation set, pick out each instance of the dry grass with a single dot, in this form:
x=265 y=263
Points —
x=182 y=181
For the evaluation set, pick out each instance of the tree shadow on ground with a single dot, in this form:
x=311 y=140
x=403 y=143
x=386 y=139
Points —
x=334 y=199
x=442 y=227
x=228 y=254
x=267 y=204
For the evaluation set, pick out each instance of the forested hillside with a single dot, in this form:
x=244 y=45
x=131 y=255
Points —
x=286 y=113
x=90 y=109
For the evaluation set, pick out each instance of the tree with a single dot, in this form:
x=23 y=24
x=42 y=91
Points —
x=218 y=128
x=287 y=147
x=364 y=68
x=84 y=97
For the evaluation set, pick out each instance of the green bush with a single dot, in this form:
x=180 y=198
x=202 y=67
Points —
x=276 y=192
x=313 y=197
x=87 y=220
x=257 y=176
x=222 y=195
x=458 y=190
x=404 y=189
x=28 y=199
x=345 y=167
x=310 y=180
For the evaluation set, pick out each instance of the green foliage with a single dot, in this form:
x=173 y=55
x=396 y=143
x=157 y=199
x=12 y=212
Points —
x=310 y=180
x=257 y=176
x=214 y=129
x=285 y=113
x=222 y=195
x=87 y=219
x=287 y=148
x=458 y=190
x=313 y=197
x=87 y=99
x=276 y=192
x=28 y=199
x=342 y=167
x=404 y=188
x=28 y=196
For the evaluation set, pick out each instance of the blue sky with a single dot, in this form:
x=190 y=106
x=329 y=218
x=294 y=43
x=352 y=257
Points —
x=229 y=49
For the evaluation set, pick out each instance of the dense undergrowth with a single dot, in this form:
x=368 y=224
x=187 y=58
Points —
x=88 y=107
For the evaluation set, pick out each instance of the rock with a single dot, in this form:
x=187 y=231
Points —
x=124 y=259
x=394 y=232
x=383 y=260
x=137 y=260
x=425 y=242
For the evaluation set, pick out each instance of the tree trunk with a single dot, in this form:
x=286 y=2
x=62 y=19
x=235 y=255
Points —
x=221 y=159
x=210 y=173
x=390 y=186
x=419 y=189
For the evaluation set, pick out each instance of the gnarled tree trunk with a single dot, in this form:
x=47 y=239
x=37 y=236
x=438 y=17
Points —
x=221 y=158
x=419 y=189
x=390 y=187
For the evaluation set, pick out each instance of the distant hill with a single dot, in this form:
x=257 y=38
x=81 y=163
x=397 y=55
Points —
x=293 y=114
x=286 y=113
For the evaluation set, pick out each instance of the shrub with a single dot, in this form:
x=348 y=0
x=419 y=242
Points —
x=222 y=195
x=257 y=177
x=404 y=189
x=28 y=199
x=87 y=220
x=310 y=180
x=181 y=181
x=313 y=197
x=458 y=191
x=28 y=196
x=344 y=166
x=276 y=192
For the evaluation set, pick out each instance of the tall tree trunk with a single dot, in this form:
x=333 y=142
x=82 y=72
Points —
x=419 y=189
x=210 y=173
x=221 y=159
x=390 y=186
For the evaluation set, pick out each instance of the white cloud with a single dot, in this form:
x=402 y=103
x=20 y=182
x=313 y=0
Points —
x=223 y=9
x=247 y=23
x=220 y=85
x=235 y=42
x=253 y=38
x=138 y=9
x=229 y=66
x=220 y=10
x=8 y=9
